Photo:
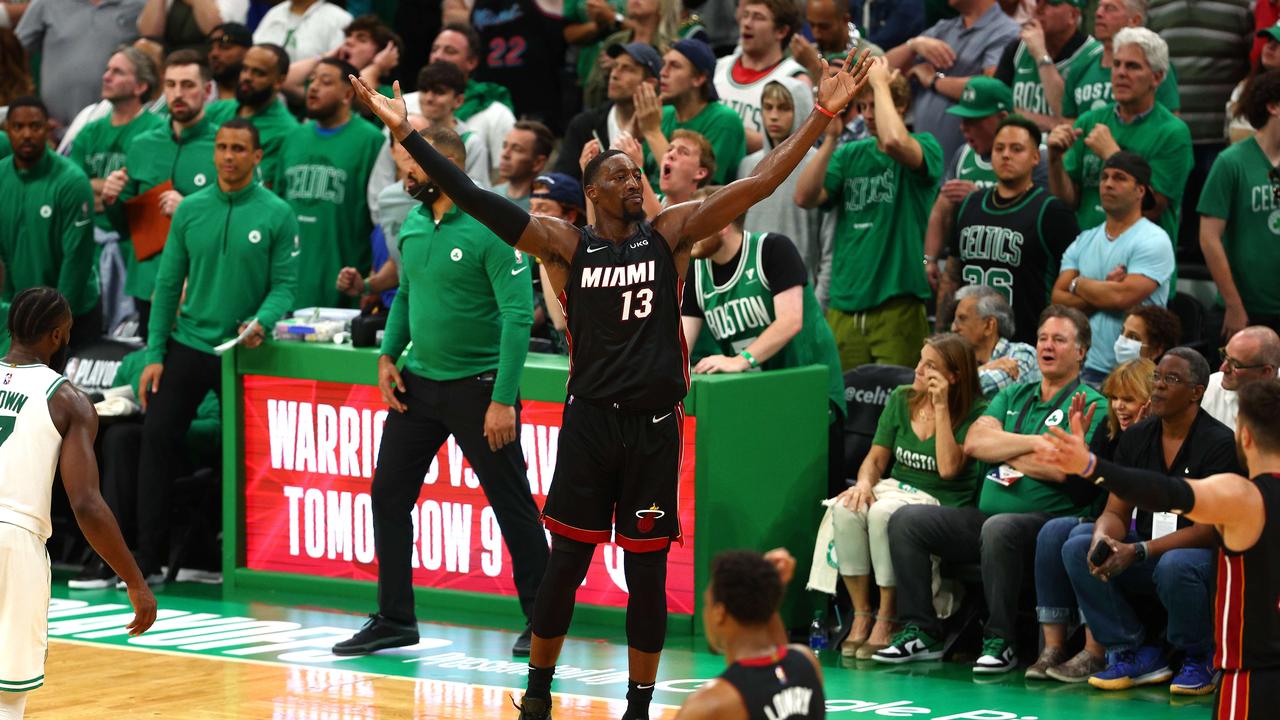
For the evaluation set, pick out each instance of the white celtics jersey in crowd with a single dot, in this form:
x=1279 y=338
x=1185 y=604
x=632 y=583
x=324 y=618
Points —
x=29 y=446
x=745 y=99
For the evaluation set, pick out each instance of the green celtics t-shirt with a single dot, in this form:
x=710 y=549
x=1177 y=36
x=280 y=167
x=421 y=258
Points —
x=882 y=209
x=1028 y=92
x=1160 y=137
x=99 y=149
x=1240 y=191
x=1088 y=87
x=1018 y=409
x=324 y=174
x=916 y=460
x=970 y=166
x=722 y=127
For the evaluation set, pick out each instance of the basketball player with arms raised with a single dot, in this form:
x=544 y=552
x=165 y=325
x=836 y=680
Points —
x=620 y=283
x=46 y=425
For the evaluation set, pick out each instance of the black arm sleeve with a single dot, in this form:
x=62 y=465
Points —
x=499 y=214
x=1148 y=490
x=783 y=267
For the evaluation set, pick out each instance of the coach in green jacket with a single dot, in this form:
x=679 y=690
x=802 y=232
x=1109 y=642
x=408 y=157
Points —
x=234 y=244
x=466 y=302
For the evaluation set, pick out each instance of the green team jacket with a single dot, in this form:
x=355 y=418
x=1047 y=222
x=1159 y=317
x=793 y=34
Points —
x=274 y=124
x=46 y=230
x=465 y=299
x=238 y=254
x=150 y=159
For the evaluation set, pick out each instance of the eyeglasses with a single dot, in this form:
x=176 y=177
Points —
x=1169 y=379
x=1233 y=364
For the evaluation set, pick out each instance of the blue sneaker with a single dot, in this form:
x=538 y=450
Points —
x=1197 y=677
x=1131 y=668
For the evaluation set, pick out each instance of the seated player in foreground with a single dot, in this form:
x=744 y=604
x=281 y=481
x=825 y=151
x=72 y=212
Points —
x=765 y=678
x=620 y=281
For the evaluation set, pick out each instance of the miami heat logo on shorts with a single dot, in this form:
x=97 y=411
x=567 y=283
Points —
x=647 y=517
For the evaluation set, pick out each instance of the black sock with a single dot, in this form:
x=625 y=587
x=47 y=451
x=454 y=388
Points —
x=639 y=695
x=540 y=682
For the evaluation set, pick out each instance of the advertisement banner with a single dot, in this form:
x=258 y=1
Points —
x=310 y=448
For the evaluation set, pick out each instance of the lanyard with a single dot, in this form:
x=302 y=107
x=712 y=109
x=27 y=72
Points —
x=1068 y=392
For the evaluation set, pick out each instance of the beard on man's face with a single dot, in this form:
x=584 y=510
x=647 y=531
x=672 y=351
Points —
x=58 y=361
x=253 y=98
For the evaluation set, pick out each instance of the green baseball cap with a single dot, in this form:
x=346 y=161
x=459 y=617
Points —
x=1272 y=32
x=982 y=97
x=1082 y=4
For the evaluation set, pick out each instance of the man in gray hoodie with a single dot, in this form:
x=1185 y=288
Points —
x=810 y=229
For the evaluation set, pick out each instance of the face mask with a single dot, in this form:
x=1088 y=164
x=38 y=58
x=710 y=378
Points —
x=1127 y=349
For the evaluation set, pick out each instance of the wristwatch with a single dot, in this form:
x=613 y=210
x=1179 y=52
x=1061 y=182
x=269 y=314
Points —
x=936 y=77
x=1074 y=281
x=1140 y=552
x=1045 y=60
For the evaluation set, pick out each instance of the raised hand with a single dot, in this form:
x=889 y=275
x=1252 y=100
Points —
x=938 y=389
x=589 y=151
x=1064 y=451
x=391 y=111
x=1081 y=418
x=1101 y=141
x=114 y=185
x=1062 y=137
x=629 y=145
x=806 y=54
x=835 y=92
x=648 y=110
x=1033 y=36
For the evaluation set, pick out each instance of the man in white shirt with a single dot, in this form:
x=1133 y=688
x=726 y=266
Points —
x=1250 y=355
x=304 y=28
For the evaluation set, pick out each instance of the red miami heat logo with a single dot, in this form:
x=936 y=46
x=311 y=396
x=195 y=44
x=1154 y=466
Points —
x=645 y=525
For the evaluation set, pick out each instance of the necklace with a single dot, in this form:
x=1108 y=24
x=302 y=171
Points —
x=1000 y=204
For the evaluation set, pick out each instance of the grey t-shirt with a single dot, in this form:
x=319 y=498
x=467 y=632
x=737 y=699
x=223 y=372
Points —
x=976 y=48
x=75 y=39
x=394 y=205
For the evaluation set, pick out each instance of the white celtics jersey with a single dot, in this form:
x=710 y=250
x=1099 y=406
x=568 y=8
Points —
x=29 y=446
x=745 y=99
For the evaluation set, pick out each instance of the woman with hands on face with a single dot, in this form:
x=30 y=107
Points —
x=922 y=431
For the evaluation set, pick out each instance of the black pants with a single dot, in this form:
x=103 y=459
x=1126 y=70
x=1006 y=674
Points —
x=86 y=329
x=410 y=440
x=121 y=446
x=1004 y=545
x=189 y=375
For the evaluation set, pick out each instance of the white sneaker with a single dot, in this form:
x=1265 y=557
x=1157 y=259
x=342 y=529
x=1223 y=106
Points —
x=155 y=581
x=997 y=657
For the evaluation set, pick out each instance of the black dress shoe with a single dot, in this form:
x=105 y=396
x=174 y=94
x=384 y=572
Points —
x=533 y=708
x=378 y=633
x=524 y=643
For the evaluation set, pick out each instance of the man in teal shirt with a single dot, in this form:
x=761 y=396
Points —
x=1017 y=498
x=216 y=279
x=46 y=210
x=466 y=303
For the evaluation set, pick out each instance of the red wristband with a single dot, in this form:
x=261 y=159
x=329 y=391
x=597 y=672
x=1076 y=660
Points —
x=824 y=111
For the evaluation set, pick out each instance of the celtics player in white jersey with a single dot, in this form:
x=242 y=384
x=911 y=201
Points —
x=46 y=425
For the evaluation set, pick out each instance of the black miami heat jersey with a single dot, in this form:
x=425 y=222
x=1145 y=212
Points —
x=622 y=308
x=779 y=686
x=1247 y=635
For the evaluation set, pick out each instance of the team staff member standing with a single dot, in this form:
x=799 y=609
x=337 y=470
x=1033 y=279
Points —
x=46 y=220
x=239 y=268
x=181 y=152
x=466 y=302
x=324 y=174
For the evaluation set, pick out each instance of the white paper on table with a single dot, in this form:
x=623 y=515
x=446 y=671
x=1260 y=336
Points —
x=248 y=328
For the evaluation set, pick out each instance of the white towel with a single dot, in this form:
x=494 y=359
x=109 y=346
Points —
x=823 y=571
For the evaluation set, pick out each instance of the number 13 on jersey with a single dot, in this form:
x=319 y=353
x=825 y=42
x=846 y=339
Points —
x=643 y=303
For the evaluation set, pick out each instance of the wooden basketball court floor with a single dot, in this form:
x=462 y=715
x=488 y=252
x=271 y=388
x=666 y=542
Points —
x=212 y=659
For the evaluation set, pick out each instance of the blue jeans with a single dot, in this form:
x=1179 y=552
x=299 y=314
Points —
x=1055 y=599
x=1182 y=579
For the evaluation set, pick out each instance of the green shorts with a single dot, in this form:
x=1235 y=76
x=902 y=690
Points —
x=890 y=334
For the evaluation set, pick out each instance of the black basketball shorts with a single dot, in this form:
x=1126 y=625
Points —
x=617 y=469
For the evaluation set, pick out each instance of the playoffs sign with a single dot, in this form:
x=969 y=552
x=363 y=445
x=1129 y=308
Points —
x=310 y=449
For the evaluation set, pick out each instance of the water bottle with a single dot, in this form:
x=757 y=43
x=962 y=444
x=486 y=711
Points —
x=817 y=633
